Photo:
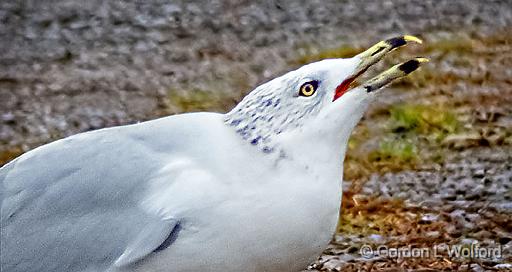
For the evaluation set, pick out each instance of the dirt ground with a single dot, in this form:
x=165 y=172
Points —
x=430 y=165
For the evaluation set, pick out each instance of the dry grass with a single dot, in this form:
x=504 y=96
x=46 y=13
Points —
x=414 y=131
x=201 y=100
x=10 y=154
x=395 y=146
x=405 y=227
x=398 y=137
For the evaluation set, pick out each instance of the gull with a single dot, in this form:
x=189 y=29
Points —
x=255 y=189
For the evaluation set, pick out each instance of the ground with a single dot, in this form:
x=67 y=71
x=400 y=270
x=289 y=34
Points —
x=429 y=165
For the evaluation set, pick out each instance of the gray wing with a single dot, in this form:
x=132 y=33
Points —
x=72 y=205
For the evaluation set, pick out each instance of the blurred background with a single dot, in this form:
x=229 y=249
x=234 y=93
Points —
x=430 y=164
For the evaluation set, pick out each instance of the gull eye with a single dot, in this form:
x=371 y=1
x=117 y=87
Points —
x=308 y=89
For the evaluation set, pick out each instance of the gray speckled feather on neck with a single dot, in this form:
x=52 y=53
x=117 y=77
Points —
x=268 y=111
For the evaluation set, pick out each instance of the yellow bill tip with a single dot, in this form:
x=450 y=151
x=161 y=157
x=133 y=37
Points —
x=422 y=60
x=410 y=38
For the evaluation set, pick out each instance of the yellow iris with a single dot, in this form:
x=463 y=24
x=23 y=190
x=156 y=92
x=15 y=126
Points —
x=307 y=89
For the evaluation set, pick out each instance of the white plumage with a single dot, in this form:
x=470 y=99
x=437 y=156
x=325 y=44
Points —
x=256 y=189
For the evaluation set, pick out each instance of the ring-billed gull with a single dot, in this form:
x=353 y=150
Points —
x=255 y=189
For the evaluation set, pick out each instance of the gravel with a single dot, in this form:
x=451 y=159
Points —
x=469 y=197
x=69 y=66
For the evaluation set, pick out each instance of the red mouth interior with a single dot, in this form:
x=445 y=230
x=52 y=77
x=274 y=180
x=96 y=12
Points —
x=342 y=88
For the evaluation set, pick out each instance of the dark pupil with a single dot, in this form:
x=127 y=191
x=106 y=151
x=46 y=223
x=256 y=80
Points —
x=308 y=88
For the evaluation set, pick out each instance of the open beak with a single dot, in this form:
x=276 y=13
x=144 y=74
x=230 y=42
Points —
x=373 y=55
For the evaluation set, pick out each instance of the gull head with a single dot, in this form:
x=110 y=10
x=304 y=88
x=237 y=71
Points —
x=314 y=109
